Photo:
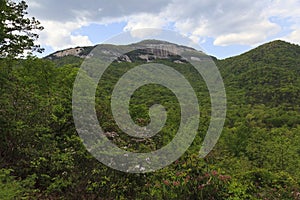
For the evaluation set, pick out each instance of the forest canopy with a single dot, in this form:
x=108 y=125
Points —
x=42 y=156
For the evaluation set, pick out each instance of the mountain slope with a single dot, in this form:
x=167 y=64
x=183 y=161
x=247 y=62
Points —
x=108 y=49
x=256 y=157
x=277 y=53
x=268 y=74
x=259 y=143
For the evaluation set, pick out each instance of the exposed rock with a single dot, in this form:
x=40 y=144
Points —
x=178 y=61
x=73 y=52
x=147 y=50
x=111 y=134
x=124 y=58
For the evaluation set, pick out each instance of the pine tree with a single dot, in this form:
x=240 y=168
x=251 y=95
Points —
x=17 y=32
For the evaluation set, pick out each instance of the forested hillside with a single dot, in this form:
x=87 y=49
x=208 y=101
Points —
x=257 y=156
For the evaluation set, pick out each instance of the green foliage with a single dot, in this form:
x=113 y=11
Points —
x=16 y=31
x=67 y=60
x=10 y=188
x=268 y=75
x=257 y=156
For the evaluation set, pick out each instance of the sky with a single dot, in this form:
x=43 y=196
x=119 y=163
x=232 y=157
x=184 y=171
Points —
x=221 y=28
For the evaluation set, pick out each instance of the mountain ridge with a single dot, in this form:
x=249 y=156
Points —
x=83 y=51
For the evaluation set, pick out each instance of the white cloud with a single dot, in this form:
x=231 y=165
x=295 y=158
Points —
x=59 y=35
x=228 y=22
x=252 y=35
x=145 y=21
x=67 y=10
x=34 y=4
x=293 y=37
x=238 y=38
x=288 y=10
x=144 y=25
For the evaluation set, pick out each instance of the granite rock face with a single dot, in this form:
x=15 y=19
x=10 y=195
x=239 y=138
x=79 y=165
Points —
x=147 y=50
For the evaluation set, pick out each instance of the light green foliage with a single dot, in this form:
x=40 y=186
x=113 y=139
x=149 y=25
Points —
x=10 y=188
x=257 y=156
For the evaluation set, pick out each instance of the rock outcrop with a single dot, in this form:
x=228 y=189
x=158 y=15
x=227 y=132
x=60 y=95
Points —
x=147 y=50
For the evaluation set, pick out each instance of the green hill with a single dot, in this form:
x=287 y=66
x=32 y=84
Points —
x=256 y=157
x=268 y=74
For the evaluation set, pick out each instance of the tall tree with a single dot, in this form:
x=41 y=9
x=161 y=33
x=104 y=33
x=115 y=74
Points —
x=17 y=32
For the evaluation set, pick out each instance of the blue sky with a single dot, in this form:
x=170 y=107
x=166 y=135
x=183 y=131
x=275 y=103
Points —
x=221 y=28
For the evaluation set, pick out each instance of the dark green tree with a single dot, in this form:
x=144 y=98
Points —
x=17 y=32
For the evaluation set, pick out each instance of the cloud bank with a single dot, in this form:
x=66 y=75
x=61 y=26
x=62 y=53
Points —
x=228 y=22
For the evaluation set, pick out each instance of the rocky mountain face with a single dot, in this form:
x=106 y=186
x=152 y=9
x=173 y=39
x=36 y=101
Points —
x=72 y=51
x=146 y=50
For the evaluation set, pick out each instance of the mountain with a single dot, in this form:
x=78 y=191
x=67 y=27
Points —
x=256 y=157
x=150 y=49
x=267 y=74
x=277 y=53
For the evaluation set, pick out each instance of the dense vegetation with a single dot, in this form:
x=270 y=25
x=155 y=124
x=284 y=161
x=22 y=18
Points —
x=257 y=156
x=17 y=32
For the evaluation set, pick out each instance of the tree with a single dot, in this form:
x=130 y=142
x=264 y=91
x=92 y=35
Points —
x=17 y=33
